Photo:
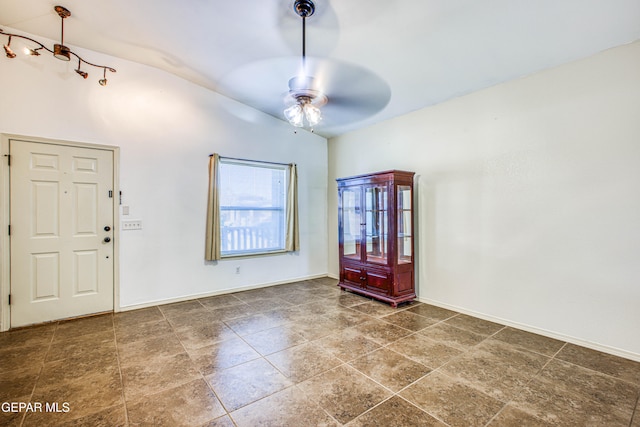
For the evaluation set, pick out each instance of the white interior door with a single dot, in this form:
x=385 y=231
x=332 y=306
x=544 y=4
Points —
x=61 y=231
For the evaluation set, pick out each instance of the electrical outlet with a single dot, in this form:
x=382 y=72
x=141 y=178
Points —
x=132 y=224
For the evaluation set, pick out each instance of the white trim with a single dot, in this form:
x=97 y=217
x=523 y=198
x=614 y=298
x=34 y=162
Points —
x=215 y=293
x=572 y=340
x=5 y=256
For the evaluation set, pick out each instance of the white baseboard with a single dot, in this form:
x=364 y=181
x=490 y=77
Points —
x=183 y=298
x=573 y=340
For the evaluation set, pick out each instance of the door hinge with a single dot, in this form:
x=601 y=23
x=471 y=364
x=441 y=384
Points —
x=9 y=299
x=8 y=156
x=111 y=194
x=9 y=230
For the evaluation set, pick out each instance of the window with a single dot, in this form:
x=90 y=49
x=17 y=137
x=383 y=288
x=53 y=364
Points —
x=252 y=208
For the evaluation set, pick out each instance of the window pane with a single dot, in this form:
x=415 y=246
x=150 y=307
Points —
x=252 y=207
x=351 y=222
x=376 y=220
x=404 y=224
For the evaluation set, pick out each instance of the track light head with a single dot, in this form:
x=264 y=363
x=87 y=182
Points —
x=9 y=52
x=7 y=49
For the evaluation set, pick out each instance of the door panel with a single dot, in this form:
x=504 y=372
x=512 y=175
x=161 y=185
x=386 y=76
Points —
x=60 y=265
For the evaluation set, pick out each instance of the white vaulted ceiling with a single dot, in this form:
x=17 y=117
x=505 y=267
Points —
x=377 y=58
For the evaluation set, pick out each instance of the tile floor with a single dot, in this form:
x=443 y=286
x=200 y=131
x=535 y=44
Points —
x=306 y=354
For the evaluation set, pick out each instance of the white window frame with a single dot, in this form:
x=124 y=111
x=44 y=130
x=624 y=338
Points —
x=248 y=232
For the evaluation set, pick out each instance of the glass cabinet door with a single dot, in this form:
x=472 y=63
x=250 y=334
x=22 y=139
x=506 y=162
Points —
x=376 y=223
x=404 y=224
x=351 y=223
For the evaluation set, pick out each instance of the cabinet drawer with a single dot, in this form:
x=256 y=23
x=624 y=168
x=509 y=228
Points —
x=352 y=275
x=378 y=281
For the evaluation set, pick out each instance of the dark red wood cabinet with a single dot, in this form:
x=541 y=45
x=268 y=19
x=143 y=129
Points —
x=375 y=226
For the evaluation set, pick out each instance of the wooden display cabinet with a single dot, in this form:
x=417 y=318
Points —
x=375 y=226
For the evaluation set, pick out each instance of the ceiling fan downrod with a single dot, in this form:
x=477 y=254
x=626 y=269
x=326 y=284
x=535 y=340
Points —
x=304 y=9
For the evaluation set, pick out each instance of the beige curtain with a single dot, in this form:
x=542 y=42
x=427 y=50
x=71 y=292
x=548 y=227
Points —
x=212 y=246
x=292 y=239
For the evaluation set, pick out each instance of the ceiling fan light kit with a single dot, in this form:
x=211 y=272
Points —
x=59 y=51
x=304 y=100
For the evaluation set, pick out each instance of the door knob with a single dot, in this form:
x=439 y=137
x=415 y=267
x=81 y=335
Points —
x=107 y=228
x=107 y=239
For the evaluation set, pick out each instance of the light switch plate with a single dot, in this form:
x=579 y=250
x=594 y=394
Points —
x=132 y=224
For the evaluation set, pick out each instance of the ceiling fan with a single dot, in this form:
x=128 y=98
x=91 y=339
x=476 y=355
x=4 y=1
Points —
x=323 y=93
x=304 y=98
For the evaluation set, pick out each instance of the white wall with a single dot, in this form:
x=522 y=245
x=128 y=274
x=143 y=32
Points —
x=528 y=199
x=166 y=128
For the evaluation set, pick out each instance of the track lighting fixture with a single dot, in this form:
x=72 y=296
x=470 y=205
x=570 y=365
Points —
x=59 y=51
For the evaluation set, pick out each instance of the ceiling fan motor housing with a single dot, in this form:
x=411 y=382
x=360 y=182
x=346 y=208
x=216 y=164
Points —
x=304 y=8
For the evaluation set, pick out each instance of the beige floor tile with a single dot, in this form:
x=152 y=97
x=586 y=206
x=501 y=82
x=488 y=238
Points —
x=223 y=421
x=396 y=412
x=22 y=358
x=136 y=352
x=473 y=324
x=375 y=309
x=346 y=318
x=344 y=393
x=181 y=308
x=222 y=355
x=599 y=387
x=381 y=332
x=244 y=384
x=303 y=362
x=408 y=320
x=348 y=344
x=110 y=417
x=40 y=335
x=200 y=335
x=390 y=369
x=82 y=347
x=86 y=395
x=253 y=323
x=136 y=317
x=18 y=383
x=452 y=401
x=512 y=417
x=191 y=404
x=432 y=312
x=157 y=374
x=554 y=403
x=218 y=301
x=452 y=336
x=274 y=339
x=129 y=332
x=424 y=350
x=615 y=366
x=286 y=408
x=86 y=325
x=529 y=341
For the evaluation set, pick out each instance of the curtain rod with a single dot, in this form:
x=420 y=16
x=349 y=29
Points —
x=254 y=161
